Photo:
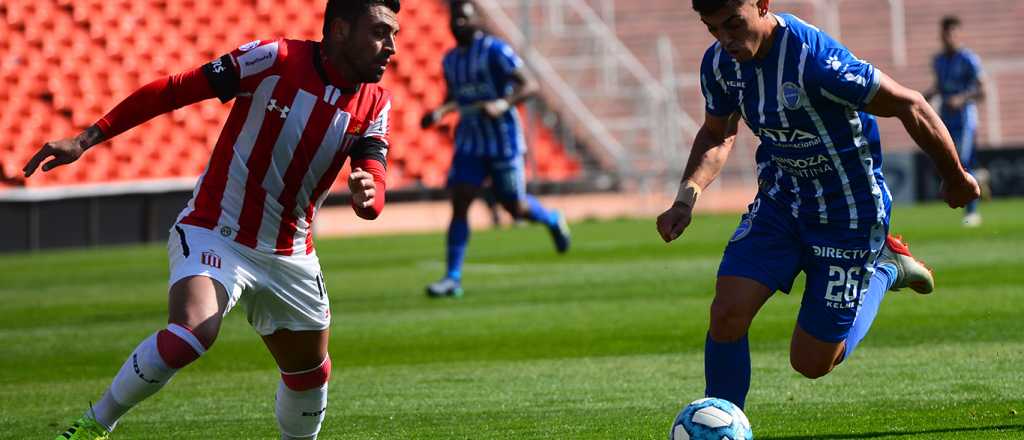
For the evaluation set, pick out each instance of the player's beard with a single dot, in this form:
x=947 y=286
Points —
x=367 y=68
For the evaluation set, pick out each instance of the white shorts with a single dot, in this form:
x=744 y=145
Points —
x=278 y=292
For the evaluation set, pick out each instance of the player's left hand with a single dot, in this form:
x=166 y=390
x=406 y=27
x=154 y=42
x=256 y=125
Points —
x=674 y=221
x=960 y=191
x=363 y=189
x=62 y=152
x=496 y=108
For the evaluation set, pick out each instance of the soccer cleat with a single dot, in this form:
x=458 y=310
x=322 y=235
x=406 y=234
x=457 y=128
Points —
x=560 y=234
x=447 y=287
x=85 y=429
x=972 y=220
x=910 y=272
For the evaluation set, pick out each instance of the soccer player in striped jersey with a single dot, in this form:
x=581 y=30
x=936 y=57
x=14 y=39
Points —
x=486 y=80
x=960 y=83
x=822 y=206
x=302 y=109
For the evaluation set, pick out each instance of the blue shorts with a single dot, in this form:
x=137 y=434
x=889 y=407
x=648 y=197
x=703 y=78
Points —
x=772 y=247
x=508 y=176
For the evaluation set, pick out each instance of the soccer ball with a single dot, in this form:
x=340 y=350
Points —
x=711 y=419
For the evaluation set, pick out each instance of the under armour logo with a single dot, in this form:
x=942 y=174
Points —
x=274 y=108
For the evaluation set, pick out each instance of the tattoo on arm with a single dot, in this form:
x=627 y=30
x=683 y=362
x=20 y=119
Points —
x=91 y=136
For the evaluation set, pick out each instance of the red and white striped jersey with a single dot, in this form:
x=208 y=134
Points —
x=289 y=133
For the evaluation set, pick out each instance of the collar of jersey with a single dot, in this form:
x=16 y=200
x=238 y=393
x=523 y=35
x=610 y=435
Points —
x=329 y=74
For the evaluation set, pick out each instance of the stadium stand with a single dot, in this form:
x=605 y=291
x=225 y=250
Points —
x=63 y=63
x=866 y=27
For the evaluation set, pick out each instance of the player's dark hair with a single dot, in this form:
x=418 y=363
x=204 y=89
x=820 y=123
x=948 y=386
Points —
x=708 y=7
x=351 y=10
x=949 y=22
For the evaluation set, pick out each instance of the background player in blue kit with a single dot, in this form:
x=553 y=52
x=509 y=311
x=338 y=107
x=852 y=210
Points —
x=959 y=83
x=822 y=206
x=486 y=80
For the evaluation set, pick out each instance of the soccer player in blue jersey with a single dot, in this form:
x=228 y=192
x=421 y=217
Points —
x=486 y=79
x=822 y=205
x=959 y=82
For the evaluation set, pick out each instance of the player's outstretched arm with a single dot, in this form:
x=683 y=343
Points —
x=64 y=151
x=153 y=99
x=710 y=150
x=928 y=131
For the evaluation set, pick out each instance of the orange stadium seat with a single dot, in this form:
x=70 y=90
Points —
x=67 y=62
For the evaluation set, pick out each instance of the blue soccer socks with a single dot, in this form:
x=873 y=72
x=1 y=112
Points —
x=537 y=213
x=727 y=370
x=458 y=238
x=881 y=281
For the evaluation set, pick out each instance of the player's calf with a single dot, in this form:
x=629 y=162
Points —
x=153 y=363
x=302 y=401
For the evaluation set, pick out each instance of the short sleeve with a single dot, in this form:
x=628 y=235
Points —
x=843 y=78
x=975 y=68
x=241 y=70
x=380 y=126
x=504 y=59
x=717 y=100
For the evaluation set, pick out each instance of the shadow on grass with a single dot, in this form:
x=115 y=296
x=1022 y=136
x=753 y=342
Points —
x=1009 y=428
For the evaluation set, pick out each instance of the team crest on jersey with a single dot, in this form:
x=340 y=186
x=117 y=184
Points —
x=792 y=96
x=742 y=230
x=209 y=258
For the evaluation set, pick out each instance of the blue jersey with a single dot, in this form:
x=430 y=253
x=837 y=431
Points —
x=478 y=73
x=955 y=74
x=820 y=154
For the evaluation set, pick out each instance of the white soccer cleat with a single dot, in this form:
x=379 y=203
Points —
x=910 y=272
x=447 y=287
x=972 y=220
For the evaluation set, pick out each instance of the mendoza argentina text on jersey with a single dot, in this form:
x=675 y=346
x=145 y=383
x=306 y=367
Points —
x=820 y=154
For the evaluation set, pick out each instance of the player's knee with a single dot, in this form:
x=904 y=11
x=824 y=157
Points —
x=178 y=346
x=310 y=379
x=729 y=321
x=810 y=367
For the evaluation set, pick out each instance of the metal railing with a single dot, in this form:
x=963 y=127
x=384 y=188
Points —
x=634 y=118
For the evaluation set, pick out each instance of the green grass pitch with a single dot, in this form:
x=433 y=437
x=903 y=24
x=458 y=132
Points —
x=605 y=342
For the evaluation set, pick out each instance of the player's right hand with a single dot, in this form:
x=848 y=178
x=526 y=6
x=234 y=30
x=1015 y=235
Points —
x=674 y=221
x=959 y=192
x=360 y=183
x=63 y=152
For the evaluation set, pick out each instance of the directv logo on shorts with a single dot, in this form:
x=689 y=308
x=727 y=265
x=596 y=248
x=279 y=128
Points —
x=840 y=254
x=209 y=258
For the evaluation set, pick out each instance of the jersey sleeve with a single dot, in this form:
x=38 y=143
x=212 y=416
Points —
x=156 y=98
x=835 y=74
x=448 y=72
x=503 y=59
x=241 y=70
x=974 y=69
x=717 y=101
x=380 y=125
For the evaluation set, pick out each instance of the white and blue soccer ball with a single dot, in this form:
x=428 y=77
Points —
x=711 y=419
